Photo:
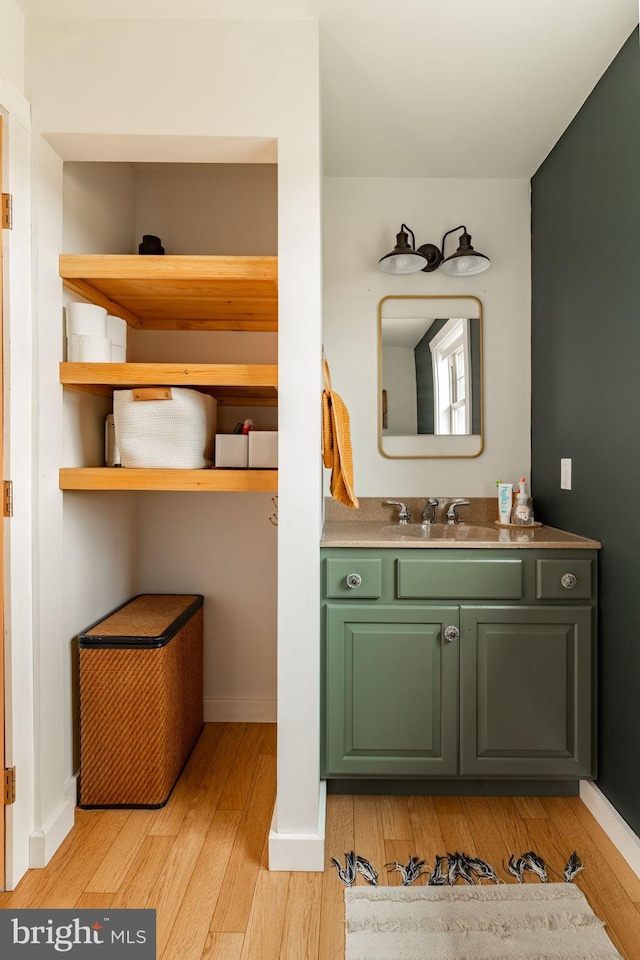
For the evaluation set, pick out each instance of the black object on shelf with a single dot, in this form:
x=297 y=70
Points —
x=151 y=245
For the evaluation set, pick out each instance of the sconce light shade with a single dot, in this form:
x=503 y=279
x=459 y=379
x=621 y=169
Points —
x=403 y=258
x=465 y=261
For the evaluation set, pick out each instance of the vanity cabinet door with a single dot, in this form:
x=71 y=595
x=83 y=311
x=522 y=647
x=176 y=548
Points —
x=526 y=692
x=391 y=691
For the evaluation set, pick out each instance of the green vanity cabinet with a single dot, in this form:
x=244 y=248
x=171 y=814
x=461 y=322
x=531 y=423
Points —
x=525 y=691
x=391 y=690
x=453 y=663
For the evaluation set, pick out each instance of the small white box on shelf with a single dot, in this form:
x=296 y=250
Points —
x=263 y=449
x=232 y=450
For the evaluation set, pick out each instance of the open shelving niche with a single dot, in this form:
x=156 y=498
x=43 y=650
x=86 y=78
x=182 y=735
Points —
x=177 y=293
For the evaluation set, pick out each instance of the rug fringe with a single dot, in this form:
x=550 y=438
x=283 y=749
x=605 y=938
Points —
x=507 y=891
x=500 y=926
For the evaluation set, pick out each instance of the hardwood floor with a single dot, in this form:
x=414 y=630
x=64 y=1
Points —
x=201 y=861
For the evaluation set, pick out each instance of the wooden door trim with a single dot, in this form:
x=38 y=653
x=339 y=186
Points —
x=2 y=676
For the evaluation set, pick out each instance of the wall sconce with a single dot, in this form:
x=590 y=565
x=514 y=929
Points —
x=406 y=259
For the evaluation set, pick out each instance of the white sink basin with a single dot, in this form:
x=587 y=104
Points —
x=435 y=531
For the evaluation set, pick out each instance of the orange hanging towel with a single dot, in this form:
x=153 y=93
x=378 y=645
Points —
x=336 y=443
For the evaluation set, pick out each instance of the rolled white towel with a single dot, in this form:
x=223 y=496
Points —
x=117 y=331
x=82 y=349
x=86 y=320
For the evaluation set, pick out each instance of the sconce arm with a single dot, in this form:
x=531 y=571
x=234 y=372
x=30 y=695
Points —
x=409 y=230
x=453 y=230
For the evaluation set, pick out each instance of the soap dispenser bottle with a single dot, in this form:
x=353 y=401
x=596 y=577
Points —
x=522 y=513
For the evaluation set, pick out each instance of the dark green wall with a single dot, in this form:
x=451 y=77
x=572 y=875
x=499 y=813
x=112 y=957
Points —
x=586 y=383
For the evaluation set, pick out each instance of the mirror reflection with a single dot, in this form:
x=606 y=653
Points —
x=430 y=376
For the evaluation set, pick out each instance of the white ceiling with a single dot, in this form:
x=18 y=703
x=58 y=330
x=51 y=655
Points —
x=429 y=88
x=405 y=331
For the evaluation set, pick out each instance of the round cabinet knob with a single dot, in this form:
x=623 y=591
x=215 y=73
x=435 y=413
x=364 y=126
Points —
x=568 y=580
x=354 y=580
x=451 y=634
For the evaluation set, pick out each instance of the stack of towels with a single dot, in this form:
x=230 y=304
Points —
x=94 y=336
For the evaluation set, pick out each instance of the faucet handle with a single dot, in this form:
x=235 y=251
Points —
x=452 y=516
x=404 y=516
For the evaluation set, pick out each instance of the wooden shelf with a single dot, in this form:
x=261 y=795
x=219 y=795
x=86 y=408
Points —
x=236 y=384
x=121 y=478
x=179 y=293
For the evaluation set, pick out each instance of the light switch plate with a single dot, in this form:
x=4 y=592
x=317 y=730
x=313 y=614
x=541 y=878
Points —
x=565 y=474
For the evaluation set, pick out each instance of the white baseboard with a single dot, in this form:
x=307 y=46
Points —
x=300 y=851
x=44 y=843
x=617 y=829
x=240 y=711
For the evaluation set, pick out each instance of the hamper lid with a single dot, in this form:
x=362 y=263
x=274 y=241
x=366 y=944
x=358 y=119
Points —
x=149 y=620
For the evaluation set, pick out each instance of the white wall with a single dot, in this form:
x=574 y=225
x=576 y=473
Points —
x=219 y=209
x=399 y=381
x=278 y=98
x=99 y=208
x=12 y=43
x=368 y=212
x=224 y=547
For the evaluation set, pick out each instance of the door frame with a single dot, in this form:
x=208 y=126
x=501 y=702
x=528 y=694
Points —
x=2 y=631
x=18 y=381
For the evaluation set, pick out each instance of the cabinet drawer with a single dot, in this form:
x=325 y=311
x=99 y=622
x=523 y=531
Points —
x=564 y=579
x=428 y=579
x=354 y=579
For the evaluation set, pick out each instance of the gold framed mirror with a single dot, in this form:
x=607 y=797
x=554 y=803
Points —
x=430 y=377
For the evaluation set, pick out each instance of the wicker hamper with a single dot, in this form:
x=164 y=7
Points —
x=140 y=700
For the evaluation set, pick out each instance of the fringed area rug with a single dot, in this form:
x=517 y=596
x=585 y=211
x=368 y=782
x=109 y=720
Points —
x=547 y=921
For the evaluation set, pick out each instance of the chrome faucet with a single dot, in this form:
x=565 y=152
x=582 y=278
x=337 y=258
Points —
x=429 y=512
x=452 y=516
x=404 y=516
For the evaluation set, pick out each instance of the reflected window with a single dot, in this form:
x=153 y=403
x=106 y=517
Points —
x=430 y=399
x=452 y=394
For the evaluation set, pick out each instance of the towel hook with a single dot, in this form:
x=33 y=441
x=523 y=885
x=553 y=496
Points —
x=326 y=376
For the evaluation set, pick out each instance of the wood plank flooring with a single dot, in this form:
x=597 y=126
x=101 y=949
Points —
x=201 y=861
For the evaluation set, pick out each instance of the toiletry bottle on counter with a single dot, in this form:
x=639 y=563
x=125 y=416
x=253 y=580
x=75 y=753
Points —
x=505 y=500
x=522 y=513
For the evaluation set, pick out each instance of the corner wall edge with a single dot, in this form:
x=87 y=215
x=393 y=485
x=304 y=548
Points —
x=300 y=851
x=616 y=828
